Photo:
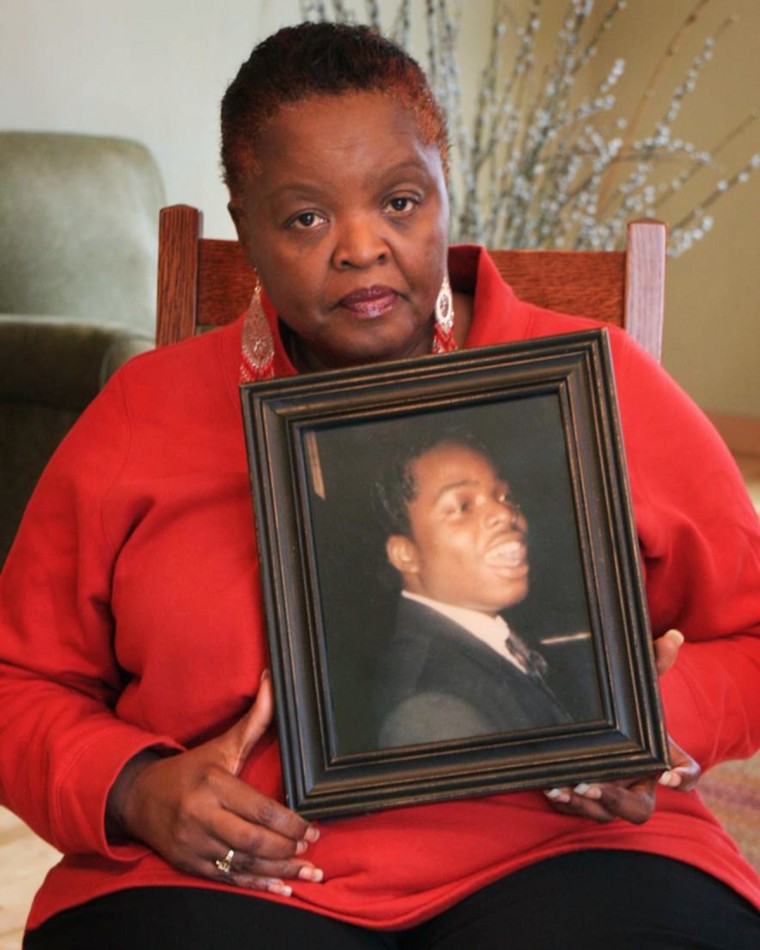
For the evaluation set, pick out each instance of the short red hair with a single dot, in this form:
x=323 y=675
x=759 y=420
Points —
x=319 y=59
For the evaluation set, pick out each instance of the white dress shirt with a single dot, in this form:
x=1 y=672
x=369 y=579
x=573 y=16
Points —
x=493 y=631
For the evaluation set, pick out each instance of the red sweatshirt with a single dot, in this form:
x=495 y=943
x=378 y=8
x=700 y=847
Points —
x=131 y=616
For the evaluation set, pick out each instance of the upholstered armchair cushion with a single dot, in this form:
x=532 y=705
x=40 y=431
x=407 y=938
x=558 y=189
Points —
x=78 y=227
x=50 y=368
x=78 y=238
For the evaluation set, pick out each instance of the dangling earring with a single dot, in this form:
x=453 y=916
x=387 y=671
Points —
x=443 y=333
x=257 y=356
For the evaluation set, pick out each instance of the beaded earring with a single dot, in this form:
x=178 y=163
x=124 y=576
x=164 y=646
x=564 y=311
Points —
x=443 y=333
x=257 y=356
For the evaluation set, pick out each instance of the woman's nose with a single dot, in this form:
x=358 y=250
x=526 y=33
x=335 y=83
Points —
x=358 y=244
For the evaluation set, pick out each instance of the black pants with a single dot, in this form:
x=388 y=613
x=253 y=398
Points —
x=586 y=900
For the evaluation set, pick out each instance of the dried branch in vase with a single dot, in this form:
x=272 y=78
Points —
x=542 y=163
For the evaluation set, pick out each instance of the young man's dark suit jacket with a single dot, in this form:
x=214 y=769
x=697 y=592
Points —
x=439 y=682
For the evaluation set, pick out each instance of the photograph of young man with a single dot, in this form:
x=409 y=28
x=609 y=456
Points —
x=458 y=540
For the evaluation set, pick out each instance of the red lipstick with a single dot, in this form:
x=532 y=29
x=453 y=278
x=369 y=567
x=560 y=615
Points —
x=369 y=302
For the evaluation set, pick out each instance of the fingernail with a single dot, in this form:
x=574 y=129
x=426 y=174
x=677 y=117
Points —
x=312 y=834
x=670 y=779
x=678 y=635
x=588 y=791
x=315 y=875
x=278 y=887
x=301 y=846
x=264 y=676
x=557 y=795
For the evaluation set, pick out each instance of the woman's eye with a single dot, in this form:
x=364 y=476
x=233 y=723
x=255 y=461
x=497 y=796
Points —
x=402 y=204
x=305 y=220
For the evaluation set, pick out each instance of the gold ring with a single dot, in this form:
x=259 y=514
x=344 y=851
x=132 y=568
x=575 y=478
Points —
x=225 y=864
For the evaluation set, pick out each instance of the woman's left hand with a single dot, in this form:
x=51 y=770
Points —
x=632 y=799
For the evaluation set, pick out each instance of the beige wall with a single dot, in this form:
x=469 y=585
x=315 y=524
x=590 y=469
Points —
x=155 y=69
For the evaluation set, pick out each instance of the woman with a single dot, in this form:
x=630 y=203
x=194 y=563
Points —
x=132 y=643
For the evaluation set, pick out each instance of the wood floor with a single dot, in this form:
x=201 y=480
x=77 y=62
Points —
x=25 y=859
x=24 y=862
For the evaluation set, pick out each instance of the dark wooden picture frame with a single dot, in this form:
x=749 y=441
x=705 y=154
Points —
x=315 y=446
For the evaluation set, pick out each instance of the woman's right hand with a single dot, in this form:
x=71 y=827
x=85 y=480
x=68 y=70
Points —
x=192 y=808
x=632 y=799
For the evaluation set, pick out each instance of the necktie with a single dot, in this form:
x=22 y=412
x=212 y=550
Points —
x=536 y=668
x=531 y=661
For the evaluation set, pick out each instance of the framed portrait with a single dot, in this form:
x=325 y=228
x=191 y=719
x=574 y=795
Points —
x=451 y=578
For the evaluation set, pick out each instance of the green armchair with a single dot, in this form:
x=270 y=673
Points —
x=78 y=245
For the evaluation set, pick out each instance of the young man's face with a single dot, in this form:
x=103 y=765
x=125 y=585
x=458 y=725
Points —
x=468 y=544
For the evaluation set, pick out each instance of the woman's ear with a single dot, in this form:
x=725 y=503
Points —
x=241 y=227
x=402 y=554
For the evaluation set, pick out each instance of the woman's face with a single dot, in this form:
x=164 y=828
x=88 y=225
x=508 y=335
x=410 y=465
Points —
x=346 y=224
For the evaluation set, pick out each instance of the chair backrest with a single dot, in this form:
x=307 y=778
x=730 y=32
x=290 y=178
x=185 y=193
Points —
x=204 y=283
x=78 y=227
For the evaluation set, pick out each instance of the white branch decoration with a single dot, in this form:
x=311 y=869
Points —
x=540 y=167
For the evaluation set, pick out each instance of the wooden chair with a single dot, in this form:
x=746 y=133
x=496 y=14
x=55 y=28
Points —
x=204 y=283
